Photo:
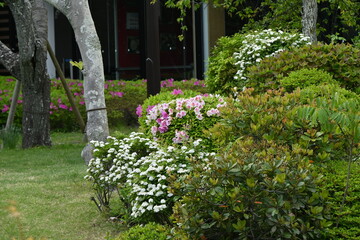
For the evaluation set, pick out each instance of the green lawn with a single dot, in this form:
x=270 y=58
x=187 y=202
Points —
x=50 y=193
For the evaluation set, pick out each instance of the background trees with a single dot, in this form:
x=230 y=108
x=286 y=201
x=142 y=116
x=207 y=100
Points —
x=339 y=18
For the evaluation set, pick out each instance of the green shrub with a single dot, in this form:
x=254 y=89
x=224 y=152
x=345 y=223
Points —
x=319 y=129
x=346 y=218
x=256 y=45
x=311 y=93
x=255 y=190
x=222 y=69
x=305 y=77
x=122 y=109
x=340 y=60
x=150 y=231
x=183 y=119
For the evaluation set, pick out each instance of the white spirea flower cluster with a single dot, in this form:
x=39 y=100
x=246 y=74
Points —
x=261 y=44
x=142 y=166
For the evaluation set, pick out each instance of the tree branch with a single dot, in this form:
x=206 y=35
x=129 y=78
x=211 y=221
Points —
x=10 y=60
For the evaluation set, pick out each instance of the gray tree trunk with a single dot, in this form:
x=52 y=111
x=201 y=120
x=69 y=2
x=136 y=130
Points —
x=31 y=26
x=309 y=19
x=79 y=15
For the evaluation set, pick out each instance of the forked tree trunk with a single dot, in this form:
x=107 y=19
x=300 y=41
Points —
x=31 y=26
x=79 y=15
x=309 y=19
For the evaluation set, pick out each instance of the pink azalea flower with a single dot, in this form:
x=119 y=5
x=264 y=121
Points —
x=149 y=108
x=163 y=129
x=63 y=106
x=177 y=92
x=139 y=111
x=5 y=108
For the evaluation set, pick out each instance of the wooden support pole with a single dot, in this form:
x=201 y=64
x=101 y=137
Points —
x=15 y=97
x=67 y=90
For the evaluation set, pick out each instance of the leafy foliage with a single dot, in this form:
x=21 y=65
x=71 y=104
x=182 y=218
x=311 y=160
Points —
x=345 y=217
x=255 y=190
x=222 y=69
x=311 y=93
x=262 y=44
x=150 y=231
x=341 y=15
x=254 y=47
x=342 y=61
x=305 y=77
x=316 y=129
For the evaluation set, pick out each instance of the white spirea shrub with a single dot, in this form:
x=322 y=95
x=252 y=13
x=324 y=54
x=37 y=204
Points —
x=261 y=44
x=141 y=166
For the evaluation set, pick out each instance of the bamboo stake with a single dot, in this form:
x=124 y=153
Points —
x=15 y=97
x=67 y=90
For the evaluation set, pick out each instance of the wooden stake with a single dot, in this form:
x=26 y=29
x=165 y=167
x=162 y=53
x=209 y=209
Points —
x=67 y=90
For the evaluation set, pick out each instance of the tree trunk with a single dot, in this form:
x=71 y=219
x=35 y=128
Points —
x=79 y=16
x=31 y=26
x=309 y=19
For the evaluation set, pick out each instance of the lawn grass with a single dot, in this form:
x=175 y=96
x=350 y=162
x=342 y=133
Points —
x=50 y=193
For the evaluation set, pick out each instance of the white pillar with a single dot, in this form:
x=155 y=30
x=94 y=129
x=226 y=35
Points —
x=206 y=48
x=51 y=38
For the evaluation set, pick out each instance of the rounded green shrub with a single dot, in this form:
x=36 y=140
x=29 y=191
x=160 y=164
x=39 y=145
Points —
x=342 y=61
x=319 y=128
x=305 y=77
x=255 y=190
x=150 y=231
x=221 y=68
x=313 y=92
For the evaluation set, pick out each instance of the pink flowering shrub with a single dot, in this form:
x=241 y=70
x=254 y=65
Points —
x=122 y=98
x=182 y=119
